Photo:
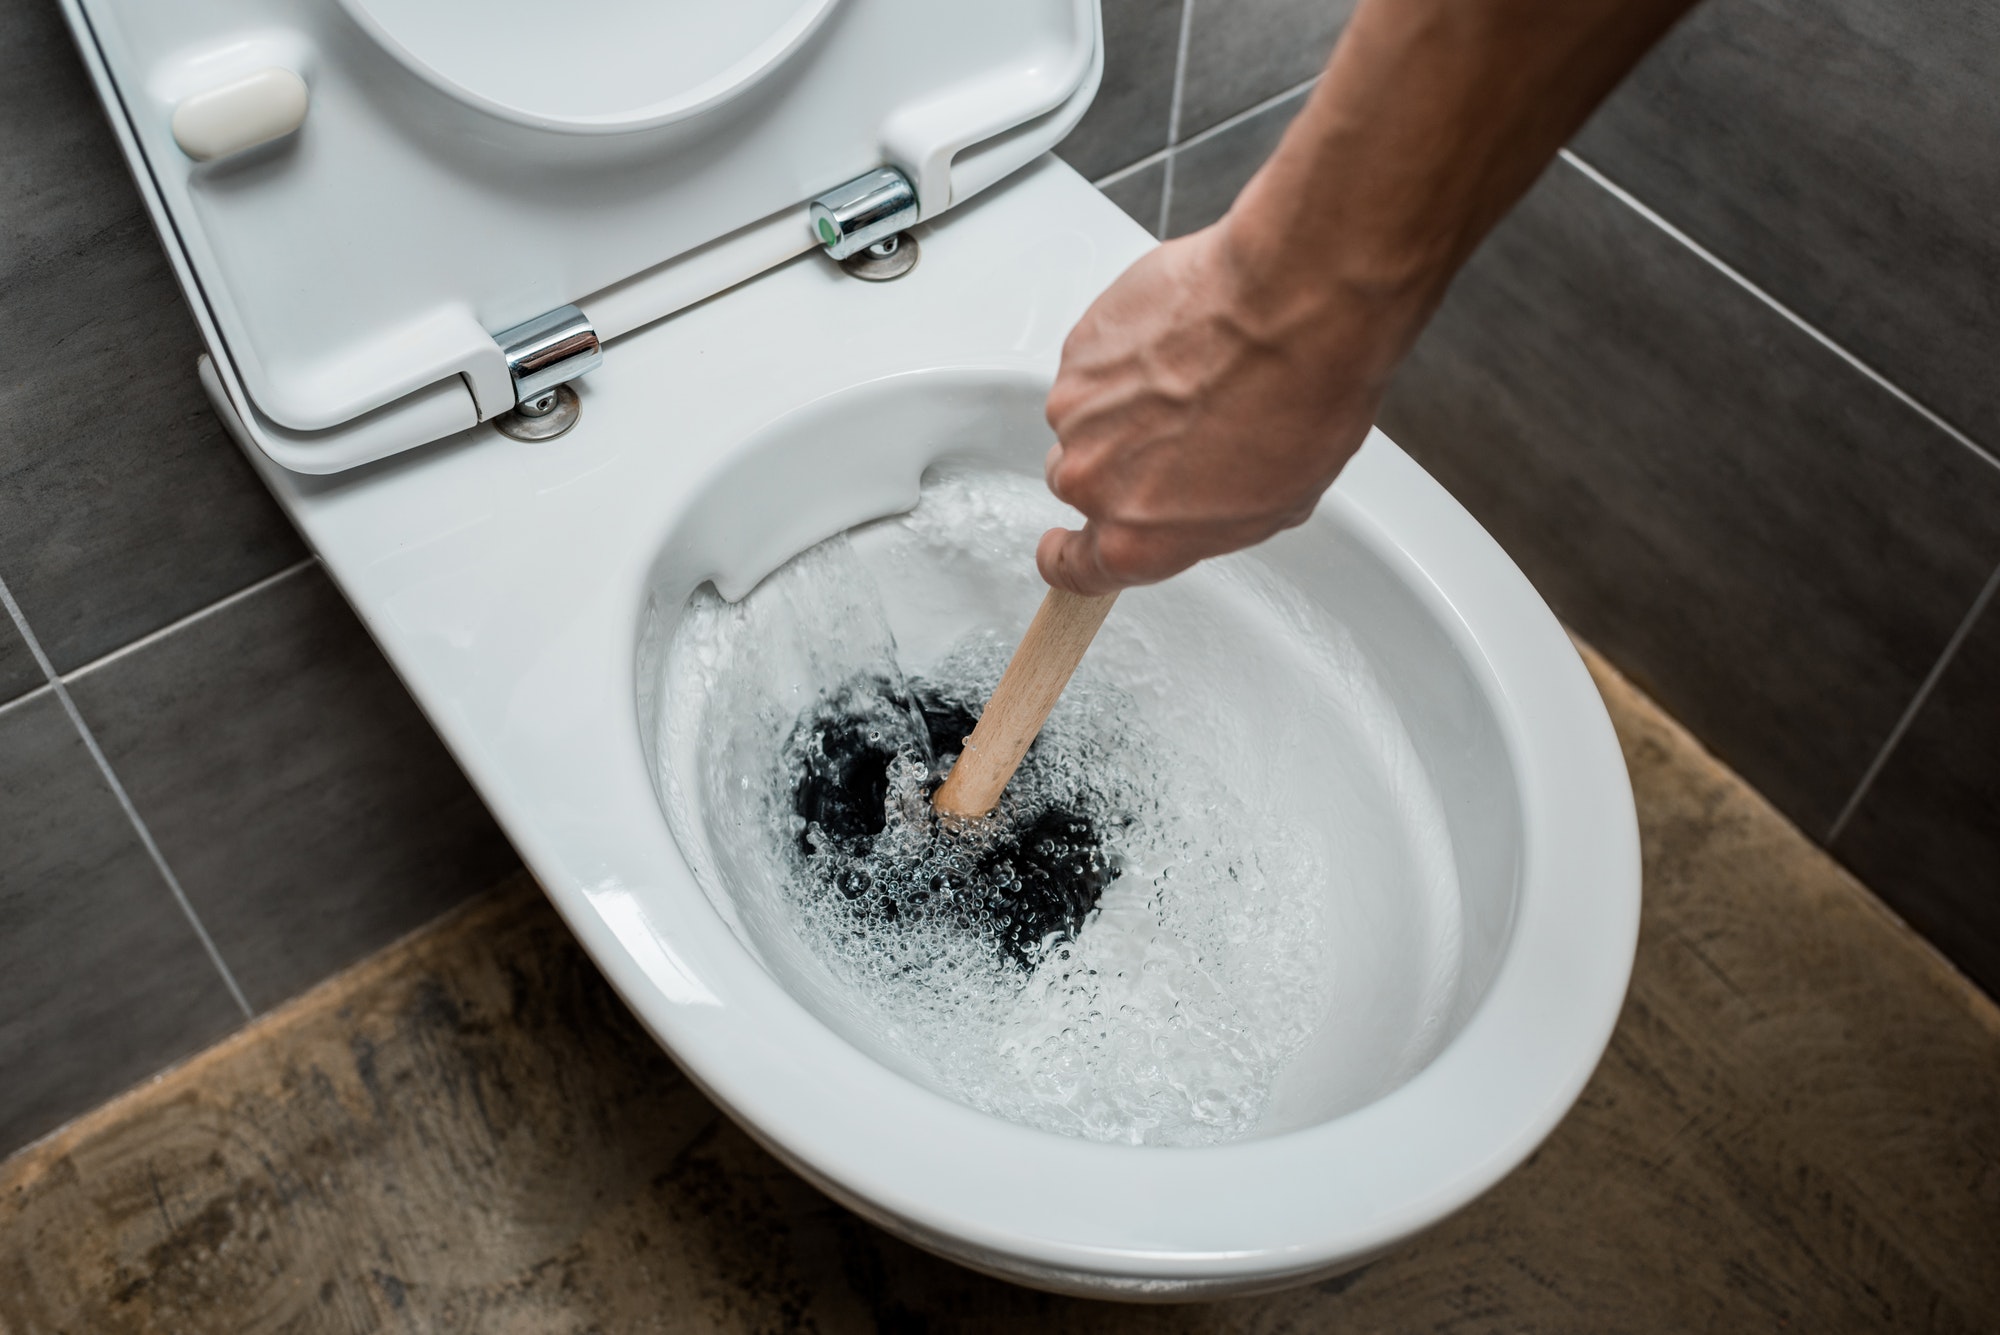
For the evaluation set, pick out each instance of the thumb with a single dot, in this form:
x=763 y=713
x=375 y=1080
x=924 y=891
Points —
x=1068 y=559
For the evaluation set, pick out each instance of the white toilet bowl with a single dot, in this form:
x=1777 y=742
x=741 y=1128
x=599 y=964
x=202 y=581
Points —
x=409 y=229
x=523 y=591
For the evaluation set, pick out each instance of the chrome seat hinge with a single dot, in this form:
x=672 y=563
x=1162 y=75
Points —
x=866 y=211
x=543 y=355
x=546 y=352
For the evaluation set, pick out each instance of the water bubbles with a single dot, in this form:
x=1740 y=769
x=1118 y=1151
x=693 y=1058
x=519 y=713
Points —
x=1130 y=949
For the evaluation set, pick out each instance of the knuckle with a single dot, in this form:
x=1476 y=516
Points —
x=1060 y=475
x=1062 y=403
x=1078 y=480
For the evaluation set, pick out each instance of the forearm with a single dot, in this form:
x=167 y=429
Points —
x=1433 y=118
x=1215 y=391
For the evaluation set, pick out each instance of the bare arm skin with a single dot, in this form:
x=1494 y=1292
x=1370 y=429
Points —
x=1210 y=396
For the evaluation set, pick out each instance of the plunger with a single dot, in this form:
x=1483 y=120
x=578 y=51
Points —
x=1042 y=665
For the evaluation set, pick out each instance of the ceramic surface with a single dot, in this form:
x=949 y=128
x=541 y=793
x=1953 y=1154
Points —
x=508 y=583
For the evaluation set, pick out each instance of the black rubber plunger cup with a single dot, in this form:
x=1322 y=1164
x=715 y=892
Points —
x=1023 y=881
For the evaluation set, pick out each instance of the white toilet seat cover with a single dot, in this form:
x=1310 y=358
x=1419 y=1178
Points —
x=456 y=169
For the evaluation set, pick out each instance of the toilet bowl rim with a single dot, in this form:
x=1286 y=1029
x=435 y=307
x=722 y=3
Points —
x=1595 y=789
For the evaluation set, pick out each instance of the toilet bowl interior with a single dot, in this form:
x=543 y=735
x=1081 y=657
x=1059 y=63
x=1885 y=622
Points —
x=1383 y=707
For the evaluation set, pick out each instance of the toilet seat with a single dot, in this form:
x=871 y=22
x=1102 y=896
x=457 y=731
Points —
x=507 y=582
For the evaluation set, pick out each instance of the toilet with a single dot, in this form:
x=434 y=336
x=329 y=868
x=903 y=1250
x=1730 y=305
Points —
x=537 y=326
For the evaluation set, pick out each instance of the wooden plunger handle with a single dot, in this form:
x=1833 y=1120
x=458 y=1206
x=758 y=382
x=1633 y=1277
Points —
x=1048 y=654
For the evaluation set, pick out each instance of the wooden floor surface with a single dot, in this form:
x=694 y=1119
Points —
x=1797 y=1127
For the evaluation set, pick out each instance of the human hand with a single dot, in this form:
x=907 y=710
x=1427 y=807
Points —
x=1196 y=415
x=1208 y=398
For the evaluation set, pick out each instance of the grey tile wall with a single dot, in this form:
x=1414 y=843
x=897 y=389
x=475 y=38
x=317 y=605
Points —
x=1128 y=119
x=1211 y=168
x=1926 y=833
x=1733 y=506
x=1707 y=493
x=1845 y=154
x=310 y=812
x=122 y=505
x=1237 y=57
x=102 y=978
x=1242 y=52
x=288 y=781
x=19 y=672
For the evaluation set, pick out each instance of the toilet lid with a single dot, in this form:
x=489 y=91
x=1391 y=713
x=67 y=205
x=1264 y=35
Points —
x=626 y=65
x=360 y=194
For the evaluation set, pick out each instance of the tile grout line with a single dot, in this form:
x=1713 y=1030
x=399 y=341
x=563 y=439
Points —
x=154 y=636
x=1159 y=155
x=1895 y=391
x=1232 y=121
x=55 y=683
x=1174 y=115
x=26 y=696
x=1131 y=168
x=1986 y=592
x=1915 y=707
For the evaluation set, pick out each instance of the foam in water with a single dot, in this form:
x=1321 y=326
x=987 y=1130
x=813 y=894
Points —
x=1144 y=934
x=861 y=767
